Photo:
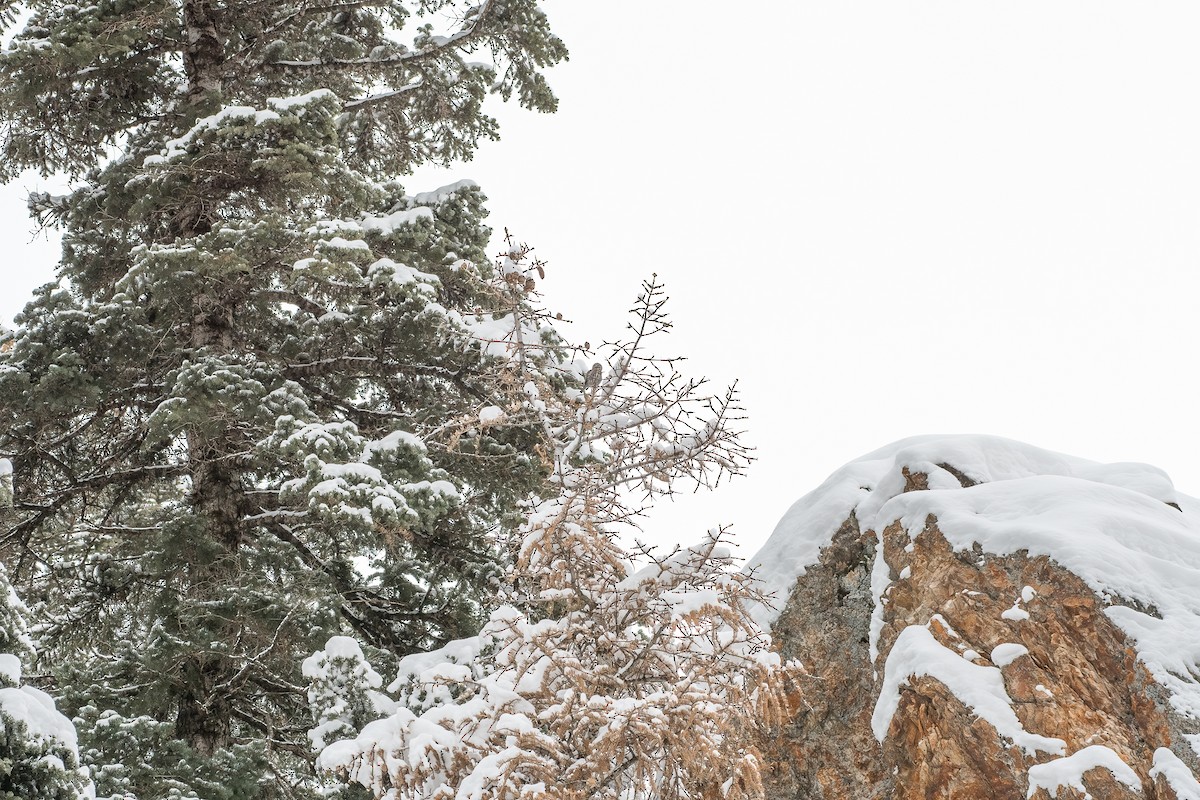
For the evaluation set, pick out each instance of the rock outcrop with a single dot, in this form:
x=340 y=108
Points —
x=982 y=619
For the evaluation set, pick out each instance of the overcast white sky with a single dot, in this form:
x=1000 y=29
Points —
x=883 y=218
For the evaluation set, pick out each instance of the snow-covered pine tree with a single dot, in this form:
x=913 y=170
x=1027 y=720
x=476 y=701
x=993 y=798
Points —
x=597 y=680
x=238 y=415
x=39 y=756
x=343 y=690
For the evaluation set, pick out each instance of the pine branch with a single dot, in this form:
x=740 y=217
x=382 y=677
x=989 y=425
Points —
x=456 y=41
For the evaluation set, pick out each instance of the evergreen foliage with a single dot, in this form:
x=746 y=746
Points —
x=343 y=690
x=246 y=416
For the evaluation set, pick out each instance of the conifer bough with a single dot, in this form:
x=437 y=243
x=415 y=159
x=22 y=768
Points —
x=245 y=417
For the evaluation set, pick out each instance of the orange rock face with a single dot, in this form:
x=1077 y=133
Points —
x=1068 y=671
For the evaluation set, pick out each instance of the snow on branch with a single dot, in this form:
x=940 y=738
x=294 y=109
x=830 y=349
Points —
x=595 y=678
x=434 y=46
x=6 y=484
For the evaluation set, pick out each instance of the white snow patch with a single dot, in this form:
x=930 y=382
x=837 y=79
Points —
x=808 y=526
x=940 y=620
x=291 y=103
x=36 y=709
x=1005 y=654
x=337 y=647
x=881 y=581
x=177 y=147
x=1193 y=740
x=1178 y=776
x=501 y=336
x=1069 y=771
x=443 y=488
x=443 y=193
x=6 y=467
x=401 y=274
x=10 y=667
x=390 y=223
x=491 y=415
x=864 y=485
x=344 y=647
x=1016 y=613
x=391 y=443
x=341 y=243
x=430 y=667
x=916 y=653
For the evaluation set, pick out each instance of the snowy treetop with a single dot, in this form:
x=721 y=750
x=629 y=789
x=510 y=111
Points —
x=1122 y=528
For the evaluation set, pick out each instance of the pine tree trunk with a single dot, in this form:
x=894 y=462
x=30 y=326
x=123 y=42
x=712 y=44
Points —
x=204 y=717
x=205 y=54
